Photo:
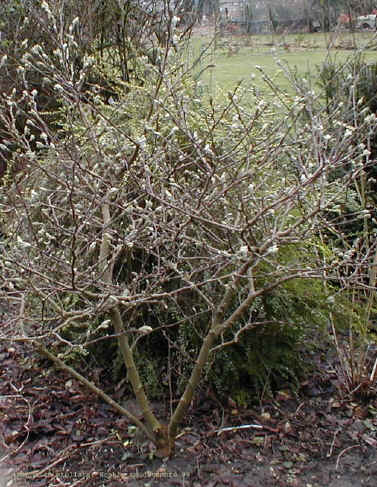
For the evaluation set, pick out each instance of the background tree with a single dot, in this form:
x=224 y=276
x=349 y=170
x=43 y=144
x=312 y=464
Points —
x=248 y=16
x=328 y=10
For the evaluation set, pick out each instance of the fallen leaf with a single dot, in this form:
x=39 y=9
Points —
x=369 y=441
x=283 y=395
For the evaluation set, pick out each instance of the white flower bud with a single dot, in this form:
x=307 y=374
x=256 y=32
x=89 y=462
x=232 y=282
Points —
x=145 y=330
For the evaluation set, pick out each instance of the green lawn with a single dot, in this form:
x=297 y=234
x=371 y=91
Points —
x=236 y=58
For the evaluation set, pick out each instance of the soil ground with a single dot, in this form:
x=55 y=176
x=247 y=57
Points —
x=54 y=433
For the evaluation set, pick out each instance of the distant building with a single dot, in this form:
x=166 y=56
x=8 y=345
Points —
x=233 y=10
x=261 y=17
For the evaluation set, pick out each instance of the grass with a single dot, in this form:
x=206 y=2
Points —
x=235 y=58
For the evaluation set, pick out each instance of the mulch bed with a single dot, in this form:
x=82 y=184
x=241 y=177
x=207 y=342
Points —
x=53 y=432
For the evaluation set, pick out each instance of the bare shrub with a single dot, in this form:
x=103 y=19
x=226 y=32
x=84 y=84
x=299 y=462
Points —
x=166 y=204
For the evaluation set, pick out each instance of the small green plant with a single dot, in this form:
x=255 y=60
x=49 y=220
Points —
x=353 y=226
x=299 y=40
x=357 y=365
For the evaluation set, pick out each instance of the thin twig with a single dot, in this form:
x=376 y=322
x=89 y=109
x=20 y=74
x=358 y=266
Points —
x=343 y=452
x=27 y=429
x=38 y=473
x=333 y=443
